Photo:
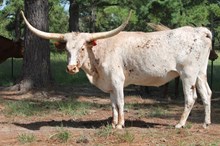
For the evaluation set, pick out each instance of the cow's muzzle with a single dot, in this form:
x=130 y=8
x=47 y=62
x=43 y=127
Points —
x=72 y=69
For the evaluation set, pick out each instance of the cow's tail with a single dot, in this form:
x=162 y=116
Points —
x=208 y=33
x=208 y=36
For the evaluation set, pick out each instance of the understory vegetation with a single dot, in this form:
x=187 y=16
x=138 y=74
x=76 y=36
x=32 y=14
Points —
x=58 y=66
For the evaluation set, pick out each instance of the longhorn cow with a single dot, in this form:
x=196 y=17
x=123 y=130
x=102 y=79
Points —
x=149 y=59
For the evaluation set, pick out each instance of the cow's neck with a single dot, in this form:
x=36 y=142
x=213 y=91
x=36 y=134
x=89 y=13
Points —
x=89 y=67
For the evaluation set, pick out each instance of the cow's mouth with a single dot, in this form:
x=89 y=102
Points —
x=72 y=69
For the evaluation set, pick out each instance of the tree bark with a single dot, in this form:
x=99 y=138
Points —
x=74 y=16
x=17 y=25
x=36 y=63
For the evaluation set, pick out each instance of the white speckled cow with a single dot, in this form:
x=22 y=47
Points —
x=149 y=59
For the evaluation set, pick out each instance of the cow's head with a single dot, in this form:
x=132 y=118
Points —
x=77 y=44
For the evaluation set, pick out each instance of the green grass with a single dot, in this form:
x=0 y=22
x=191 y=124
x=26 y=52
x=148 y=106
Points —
x=157 y=111
x=74 y=108
x=126 y=137
x=21 y=108
x=188 y=125
x=105 y=131
x=26 y=138
x=82 y=139
x=35 y=108
x=62 y=135
x=200 y=143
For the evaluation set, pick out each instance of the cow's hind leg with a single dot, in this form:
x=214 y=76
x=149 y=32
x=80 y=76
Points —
x=190 y=95
x=205 y=92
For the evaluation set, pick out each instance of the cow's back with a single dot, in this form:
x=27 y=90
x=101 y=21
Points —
x=153 y=58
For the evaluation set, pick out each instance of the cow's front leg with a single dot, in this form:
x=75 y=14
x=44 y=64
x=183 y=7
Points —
x=117 y=99
x=114 y=111
x=121 y=120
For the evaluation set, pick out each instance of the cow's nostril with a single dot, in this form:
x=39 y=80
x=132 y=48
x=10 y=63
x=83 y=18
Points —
x=72 y=68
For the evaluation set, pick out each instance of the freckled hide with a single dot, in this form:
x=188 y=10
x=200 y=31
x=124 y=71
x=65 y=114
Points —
x=149 y=59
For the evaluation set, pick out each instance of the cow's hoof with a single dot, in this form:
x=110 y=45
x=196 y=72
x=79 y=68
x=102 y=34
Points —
x=119 y=126
x=178 y=126
x=114 y=125
x=205 y=125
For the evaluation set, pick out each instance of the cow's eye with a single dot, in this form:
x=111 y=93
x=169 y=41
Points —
x=82 y=49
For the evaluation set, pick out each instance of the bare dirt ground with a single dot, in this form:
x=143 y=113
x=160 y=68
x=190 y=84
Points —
x=140 y=128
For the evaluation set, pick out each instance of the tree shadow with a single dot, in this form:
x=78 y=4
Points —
x=91 y=124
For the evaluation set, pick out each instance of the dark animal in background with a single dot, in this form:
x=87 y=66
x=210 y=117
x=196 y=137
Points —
x=10 y=48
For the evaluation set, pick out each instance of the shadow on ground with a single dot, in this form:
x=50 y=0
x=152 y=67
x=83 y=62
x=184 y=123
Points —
x=85 y=124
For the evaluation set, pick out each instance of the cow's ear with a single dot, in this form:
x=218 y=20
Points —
x=92 y=43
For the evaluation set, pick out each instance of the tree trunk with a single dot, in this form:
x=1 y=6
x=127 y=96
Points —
x=36 y=62
x=17 y=25
x=74 y=16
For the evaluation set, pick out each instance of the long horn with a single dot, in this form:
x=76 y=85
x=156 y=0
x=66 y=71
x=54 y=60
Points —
x=102 y=35
x=158 y=27
x=45 y=35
